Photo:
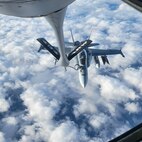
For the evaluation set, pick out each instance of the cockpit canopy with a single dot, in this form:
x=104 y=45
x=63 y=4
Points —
x=83 y=58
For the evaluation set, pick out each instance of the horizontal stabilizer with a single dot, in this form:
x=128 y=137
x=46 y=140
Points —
x=46 y=45
x=122 y=54
x=78 y=49
x=97 y=62
x=93 y=44
x=41 y=48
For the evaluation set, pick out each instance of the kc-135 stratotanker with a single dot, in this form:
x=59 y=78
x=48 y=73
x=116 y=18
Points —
x=54 y=12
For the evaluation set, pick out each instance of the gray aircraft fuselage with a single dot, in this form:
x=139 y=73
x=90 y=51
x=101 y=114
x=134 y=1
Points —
x=83 y=67
x=83 y=60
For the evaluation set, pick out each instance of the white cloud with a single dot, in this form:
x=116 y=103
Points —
x=2 y=139
x=9 y=127
x=132 y=107
x=98 y=121
x=85 y=107
x=66 y=132
x=114 y=89
x=112 y=94
x=10 y=121
x=37 y=99
x=133 y=77
x=4 y=105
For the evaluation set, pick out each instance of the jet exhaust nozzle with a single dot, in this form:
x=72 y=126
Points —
x=122 y=54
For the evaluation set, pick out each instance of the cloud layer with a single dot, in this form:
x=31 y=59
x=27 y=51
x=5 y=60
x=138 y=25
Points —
x=40 y=102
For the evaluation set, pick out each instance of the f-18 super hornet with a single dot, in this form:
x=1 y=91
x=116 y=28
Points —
x=54 y=12
x=83 y=57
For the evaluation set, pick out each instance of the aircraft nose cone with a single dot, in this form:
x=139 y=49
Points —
x=83 y=78
x=83 y=81
x=83 y=84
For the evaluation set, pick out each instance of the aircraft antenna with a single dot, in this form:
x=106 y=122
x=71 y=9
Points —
x=90 y=33
x=72 y=37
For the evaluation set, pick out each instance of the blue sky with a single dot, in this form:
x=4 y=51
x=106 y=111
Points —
x=41 y=102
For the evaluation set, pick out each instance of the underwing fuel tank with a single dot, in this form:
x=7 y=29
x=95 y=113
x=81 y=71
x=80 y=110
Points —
x=105 y=60
x=97 y=62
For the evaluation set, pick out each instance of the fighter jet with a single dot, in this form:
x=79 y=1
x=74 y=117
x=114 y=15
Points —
x=84 y=61
x=54 y=12
x=83 y=57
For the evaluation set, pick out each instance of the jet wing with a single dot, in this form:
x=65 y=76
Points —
x=102 y=52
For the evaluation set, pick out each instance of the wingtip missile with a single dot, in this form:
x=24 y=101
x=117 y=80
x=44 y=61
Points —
x=97 y=61
x=122 y=54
